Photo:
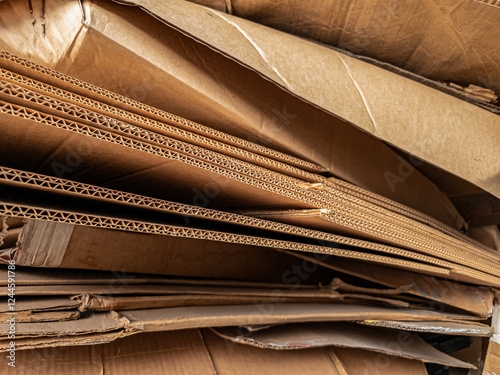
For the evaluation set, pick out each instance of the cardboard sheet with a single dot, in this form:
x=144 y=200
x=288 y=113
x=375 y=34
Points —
x=177 y=238
x=186 y=353
x=474 y=299
x=264 y=106
x=16 y=178
x=303 y=336
x=268 y=360
x=72 y=190
x=219 y=316
x=443 y=328
x=366 y=91
x=410 y=36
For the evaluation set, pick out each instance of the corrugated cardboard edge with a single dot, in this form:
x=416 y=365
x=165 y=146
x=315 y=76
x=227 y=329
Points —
x=444 y=328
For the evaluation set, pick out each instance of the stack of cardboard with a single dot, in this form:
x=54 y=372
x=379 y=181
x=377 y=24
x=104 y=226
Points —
x=234 y=242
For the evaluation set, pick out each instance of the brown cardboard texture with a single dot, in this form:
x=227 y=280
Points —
x=469 y=298
x=258 y=107
x=366 y=91
x=17 y=177
x=444 y=328
x=73 y=256
x=73 y=189
x=313 y=335
x=411 y=36
x=184 y=353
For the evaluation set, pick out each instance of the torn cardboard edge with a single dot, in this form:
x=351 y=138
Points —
x=39 y=317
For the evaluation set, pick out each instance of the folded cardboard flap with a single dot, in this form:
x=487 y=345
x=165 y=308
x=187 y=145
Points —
x=392 y=33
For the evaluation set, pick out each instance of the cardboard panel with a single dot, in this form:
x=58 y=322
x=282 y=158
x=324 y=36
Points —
x=469 y=298
x=259 y=113
x=76 y=190
x=409 y=35
x=444 y=328
x=289 y=337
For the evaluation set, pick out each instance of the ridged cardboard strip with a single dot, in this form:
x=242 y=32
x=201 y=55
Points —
x=142 y=227
x=141 y=120
x=20 y=87
x=97 y=93
x=329 y=220
x=307 y=197
x=71 y=187
x=399 y=219
x=248 y=169
x=356 y=191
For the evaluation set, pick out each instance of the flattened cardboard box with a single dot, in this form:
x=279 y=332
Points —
x=258 y=183
x=64 y=109
x=73 y=189
x=363 y=102
x=344 y=160
x=34 y=70
x=484 y=310
x=292 y=187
